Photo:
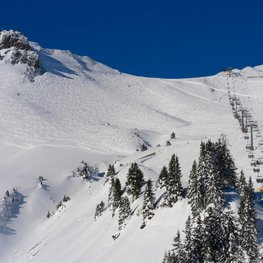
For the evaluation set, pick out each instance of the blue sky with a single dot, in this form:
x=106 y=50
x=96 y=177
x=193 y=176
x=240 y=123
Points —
x=168 y=38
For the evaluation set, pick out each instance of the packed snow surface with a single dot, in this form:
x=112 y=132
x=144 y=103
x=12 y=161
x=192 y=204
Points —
x=79 y=109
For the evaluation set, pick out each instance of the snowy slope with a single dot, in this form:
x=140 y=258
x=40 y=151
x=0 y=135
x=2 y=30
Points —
x=79 y=109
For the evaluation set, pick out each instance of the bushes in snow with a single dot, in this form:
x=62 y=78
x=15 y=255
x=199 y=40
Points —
x=86 y=171
x=99 y=209
x=60 y=205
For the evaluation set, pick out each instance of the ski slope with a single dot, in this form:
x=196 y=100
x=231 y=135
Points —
x=79 y=109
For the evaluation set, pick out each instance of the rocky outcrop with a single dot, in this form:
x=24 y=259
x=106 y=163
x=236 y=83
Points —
x=15 y=49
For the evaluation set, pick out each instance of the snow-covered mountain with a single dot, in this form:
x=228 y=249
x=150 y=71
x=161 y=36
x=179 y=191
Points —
x=57 y=109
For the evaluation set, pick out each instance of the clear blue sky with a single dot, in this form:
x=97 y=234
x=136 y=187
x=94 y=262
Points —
x=166 y=38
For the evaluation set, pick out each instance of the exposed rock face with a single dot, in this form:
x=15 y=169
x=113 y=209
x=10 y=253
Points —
x=15 y=49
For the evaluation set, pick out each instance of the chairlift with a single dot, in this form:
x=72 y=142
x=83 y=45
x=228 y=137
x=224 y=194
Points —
x=248 y=147
x=259 y=180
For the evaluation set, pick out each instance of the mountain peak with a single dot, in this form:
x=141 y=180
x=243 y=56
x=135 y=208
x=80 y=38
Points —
x=15 y=49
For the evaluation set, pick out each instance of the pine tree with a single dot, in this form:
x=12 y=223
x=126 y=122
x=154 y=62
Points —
x=84 y=171
x=110 y=194
x=247 y=220
x=134 y=181
x=203 y=171
x=148 y=200
x=116 y=194
x=209 y=173
x=195 y=191
x=172 y=135
x=110 y=173
x=197 y=240
x=230 y=237
x=224 y=163
x=124 y=212
x=99 y=209
x=242 y=184
x=188 y=246
x=173 y=184
x=177 y=254
x=213 y=242
x=162 y=179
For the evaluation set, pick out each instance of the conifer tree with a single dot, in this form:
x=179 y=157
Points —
x=177 y=254
x=209 y=175
x=134 y=181
x=197 y=240
x=213 y=242
x=162 y=179
x=188 y=246
x=195 y=191
x=225 y=164
x=110 y=173
x=99 y=209
x=242 y=184
x=148 y=200
x=173 y=184
x=116 y=194
x=233 y=253
x=247 y=220
x=172 y=135
x=124 y=212
x=110 y=194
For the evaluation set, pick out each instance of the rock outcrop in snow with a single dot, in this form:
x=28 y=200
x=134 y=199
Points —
x=15 y=49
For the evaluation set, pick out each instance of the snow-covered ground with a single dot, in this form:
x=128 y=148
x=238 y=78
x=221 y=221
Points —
x=79 y=109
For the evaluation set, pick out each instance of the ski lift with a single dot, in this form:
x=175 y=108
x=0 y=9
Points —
x=259 y=179
x=248 y=147
x=254 y=163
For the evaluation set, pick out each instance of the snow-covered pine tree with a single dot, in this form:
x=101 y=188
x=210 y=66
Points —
x=203 y=171
x=197 y=240
x=148 y=200
x=134 y=181
x=162 y=179
x=177 y=253
x=172 y=135
x=124 y=212
x=213 y=241
x=214 y=193
x=247 y=219
x=209 y=174
x=84 y=170
x=189 y=256
x=195 y=191
x=242 y=184
x=233 y=250
x=99 y=209
x=169 y=257
x=116 y=195
x=110 y=173
x=225 y=163
x=173 y=184
x=110 y=194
